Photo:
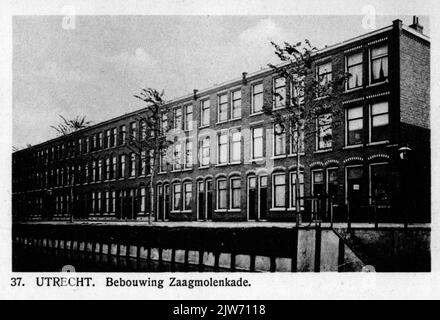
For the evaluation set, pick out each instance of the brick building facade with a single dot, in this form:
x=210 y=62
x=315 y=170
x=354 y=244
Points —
x=228 y=165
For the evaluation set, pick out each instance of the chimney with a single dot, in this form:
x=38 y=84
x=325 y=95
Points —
x=195 y=94
x=244 y=74
x=415 y=25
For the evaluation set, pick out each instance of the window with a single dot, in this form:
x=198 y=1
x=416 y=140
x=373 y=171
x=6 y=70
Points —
x=332 y=183
x=204 y=151
x=293 y=189
x=177 y=196
x=297 y=142
x=121 y=173
x=177 y=156
x=279 y=92
x=143 y=169
x=114 y=137
x=354 y=125
x=236 y=104
x=257 y=143
x=324 y=73
x=133 y=133
x=99 y=170
x=107 y=142
x=187 y=196
x=235 y=148
x=354 y=68
x=317 y=183
x=354 y=185
x=257 y=98
x=113 y=168
x=87 y=144
x=122 y=134
x=164 y=123
x=152 y=161
x=279 y=190
x=80 y=150
x=222 y=107
x=143 y=204
x=107 y=169
x=143 y=129
x=380 y=182
x=379 y=63
x=95 y=143
x=324 y=131
x=107 y=201
x=279 y=140
x=222 y=191
x=99 y=202
x=113 y=201
x=235 y=193
x=188 y=154
x=204 y=113
x=163 y=160
x=100 y=140
x=222 y=151
x=132 y=164
x=189 y=117
x=177 y=125
x=86 y=177
x=379 y=122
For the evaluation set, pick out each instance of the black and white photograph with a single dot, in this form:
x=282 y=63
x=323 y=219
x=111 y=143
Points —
x=275 y=143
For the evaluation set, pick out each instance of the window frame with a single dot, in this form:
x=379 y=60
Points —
x=223 y=133
x=318 y=132
x=370 y=62
x=225 y=189
x=220 y=104
x=188 y=124
x=174 y=208
x=347 y=122
x=231 y=193
x=274 y=190
x=370 y=121
x=205 y=106
x=186 y=164
x=275 y=142
x=231 y=145
x=292 y=195
x=201 y=148
x=347 y=69
x=253 y=143
x=185 y=193
x=253 y=95
x=233 y=101
x=274 y=92
x=176 y=124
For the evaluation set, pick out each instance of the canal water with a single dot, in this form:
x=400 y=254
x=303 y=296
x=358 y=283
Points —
x=34 y=259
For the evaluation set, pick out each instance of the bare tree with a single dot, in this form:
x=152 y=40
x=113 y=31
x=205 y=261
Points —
x=68 y=129
x=152 y=142
x=69 y=126
x=313 y=97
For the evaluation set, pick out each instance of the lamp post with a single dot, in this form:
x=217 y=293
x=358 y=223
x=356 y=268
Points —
x=404 y=155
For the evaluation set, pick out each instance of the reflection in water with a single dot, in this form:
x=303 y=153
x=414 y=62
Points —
x=31 y=259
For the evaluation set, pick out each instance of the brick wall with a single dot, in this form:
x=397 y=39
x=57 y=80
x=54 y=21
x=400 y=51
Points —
x=414 y=80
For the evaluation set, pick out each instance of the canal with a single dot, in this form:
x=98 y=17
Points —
x=35 y=259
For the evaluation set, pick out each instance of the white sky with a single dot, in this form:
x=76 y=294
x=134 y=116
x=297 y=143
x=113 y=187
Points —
x=95 y=68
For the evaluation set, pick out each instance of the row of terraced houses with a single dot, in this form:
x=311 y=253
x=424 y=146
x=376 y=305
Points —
x=228 y=165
